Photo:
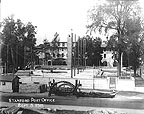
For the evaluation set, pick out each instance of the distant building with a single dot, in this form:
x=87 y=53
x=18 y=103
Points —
x=46 y=56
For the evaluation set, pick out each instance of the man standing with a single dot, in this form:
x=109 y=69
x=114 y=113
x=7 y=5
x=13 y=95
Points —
x=15 y=84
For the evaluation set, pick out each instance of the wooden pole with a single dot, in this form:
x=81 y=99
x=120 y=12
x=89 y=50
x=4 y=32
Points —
x=17 y=57
x=85 y=53
x=78 y=56
x=71 y=55
x=24 y=56
x=81 y=52
x=7 y=59
x=75 y=55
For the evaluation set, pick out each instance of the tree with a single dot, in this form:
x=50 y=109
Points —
x=112 y=17
x=50 y=48
x=19 y=41
x=46 y=47
x=78 y=53
x=29 y=42
x=94 y=50
x=134 y=42
x=54 y=44
x=9 y=40
x=90 y=48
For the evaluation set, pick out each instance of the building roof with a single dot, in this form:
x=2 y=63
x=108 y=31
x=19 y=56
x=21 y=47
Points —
x=7 y=78
x=23 y=73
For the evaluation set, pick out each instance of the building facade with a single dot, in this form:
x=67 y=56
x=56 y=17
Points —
x=62 y=52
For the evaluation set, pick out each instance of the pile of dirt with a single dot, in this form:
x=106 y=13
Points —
x=5 y=110
x=103 y=112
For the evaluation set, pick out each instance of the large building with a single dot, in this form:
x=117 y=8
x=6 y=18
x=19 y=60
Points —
x=45 y=55
x=62 y=52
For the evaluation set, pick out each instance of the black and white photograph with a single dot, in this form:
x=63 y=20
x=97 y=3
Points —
x=71 y=57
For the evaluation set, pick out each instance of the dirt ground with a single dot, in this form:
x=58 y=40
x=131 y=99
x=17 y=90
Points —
x=5 y=110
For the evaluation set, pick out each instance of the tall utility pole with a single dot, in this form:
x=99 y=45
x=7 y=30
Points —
x=0 y=11
x=17 y=57
x=69 y=50
x=81 y=52
x=72 y=55
x=75 y=55
x=1 y=42
x=0 y=16
x=78 y=56
x=24 y=57
x=83 y=41
x=0 y=34
x=84 y=52
x=7 y=59
x=31 y=57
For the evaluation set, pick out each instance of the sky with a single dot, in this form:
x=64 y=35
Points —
x=51 y=16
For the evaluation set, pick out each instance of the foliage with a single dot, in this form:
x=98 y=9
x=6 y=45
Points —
x=54 y=43
x=19 y=41
x=120 y=18
x=46 y=47
x=89 y=48
x=49 y=48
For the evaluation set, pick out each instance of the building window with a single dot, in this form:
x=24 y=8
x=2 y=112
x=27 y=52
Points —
x=3 y=83
x=58 y=44
x=58 y=55
x=63 y=44
x=104 y=55
x=62 y=54
x=53 y=55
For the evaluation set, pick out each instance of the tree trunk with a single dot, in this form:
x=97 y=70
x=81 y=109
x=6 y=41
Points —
x=12 y=55
x=24 y=58
x=134 y=71
x=119 y=46
x=119 y=64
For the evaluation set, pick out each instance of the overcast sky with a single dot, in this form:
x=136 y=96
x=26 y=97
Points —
x=51 y=16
